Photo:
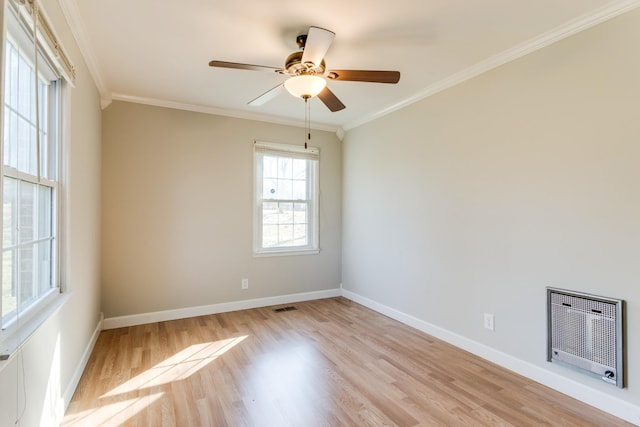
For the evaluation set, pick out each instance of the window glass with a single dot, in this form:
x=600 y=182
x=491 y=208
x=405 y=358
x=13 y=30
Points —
x=30 y=139
x=286 y=199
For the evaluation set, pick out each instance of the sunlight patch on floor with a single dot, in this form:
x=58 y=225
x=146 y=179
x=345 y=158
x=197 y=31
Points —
x=177 y=367
x=111 y=414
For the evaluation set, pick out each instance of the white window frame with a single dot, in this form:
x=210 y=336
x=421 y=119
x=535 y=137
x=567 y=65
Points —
x=312 y=155
x=58 y=71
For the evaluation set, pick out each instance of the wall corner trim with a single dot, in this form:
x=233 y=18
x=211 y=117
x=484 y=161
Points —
x=105 y=100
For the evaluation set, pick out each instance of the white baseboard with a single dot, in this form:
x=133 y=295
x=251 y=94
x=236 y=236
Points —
x=77 y=374
x=203 y=310
x=596 y=398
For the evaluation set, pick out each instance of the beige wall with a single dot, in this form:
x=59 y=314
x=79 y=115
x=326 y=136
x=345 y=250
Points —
x=52 y=357
x=470 y=201
x=476 y=199
x=177 y=212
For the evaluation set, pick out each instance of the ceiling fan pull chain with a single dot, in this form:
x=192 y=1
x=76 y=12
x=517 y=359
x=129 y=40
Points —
x=307 y=121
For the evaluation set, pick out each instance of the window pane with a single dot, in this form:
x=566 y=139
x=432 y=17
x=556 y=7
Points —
x=300 y=213
x=25 y=83
x=270 y=167
x=26 y=276
x=284 y=178
x=22 y=143
x=32 y=151
x=27 y=209
x=22 y=120
x=269 y=188
x=45 y=170
x=285 y=189
x=32 y=94
x=285 y=167
x=12 y=74
x=284 y=224
x=285 y=213
x=299 y=189
x=10 y=137
x=10 y=212
x=299 y=235
x=270 y=213
x=299 y=169
x=45 y=204
x=285 y=235
x=270 y=236
x=43 y=267
x=26 y=146
x=9 y=290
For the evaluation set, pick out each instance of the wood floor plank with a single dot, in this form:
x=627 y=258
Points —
x=328 y=363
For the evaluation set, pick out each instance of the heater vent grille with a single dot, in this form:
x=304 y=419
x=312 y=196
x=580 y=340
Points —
x=585 y=331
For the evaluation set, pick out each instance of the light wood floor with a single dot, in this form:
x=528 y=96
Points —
x=329 y=363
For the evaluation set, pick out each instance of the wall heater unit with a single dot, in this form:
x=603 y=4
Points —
x=586 y=332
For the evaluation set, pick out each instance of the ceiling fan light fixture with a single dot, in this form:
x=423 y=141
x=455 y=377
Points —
x=307 y=71
x=305 y=85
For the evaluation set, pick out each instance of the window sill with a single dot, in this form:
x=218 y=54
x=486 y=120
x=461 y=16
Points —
x=16 y=337
x=291 y=252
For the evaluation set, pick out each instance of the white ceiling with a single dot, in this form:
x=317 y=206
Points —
x=157 y=51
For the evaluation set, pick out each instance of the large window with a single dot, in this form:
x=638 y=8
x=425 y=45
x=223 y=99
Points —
x=30 y=152
x=286 y=199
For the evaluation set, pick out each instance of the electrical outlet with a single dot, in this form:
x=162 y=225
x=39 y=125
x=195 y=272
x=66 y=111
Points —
x=245 y=283
x=489 y=322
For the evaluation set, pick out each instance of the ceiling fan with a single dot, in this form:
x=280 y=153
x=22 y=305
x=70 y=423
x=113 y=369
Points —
x=308 y=72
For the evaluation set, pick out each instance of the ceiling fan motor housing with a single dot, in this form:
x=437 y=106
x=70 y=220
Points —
x=294 y=66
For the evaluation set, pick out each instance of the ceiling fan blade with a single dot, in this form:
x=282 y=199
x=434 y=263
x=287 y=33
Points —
x=365 y=76
x=267 y=96
x=316 y=46
x=329 y=99
x=239 y=66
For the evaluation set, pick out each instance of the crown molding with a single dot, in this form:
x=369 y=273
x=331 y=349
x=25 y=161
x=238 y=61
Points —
x=612 y=10
x=72 y=15
x=572 y=27
x=220 y=112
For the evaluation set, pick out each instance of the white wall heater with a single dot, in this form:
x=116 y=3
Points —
x=586 y=332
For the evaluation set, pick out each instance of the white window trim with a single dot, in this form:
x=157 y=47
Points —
x=310 y=153
x=14 y=333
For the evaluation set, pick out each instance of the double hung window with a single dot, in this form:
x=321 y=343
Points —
x=286 y=199
x=30 y=169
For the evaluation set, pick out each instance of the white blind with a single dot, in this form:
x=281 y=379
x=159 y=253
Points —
x=294 y=151
x=26 y=11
